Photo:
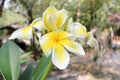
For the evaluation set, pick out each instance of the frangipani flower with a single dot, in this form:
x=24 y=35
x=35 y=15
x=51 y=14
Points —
x=23 y=33
x=54 y=19
x=26 y=33
x=80 y=31
x=57 y=43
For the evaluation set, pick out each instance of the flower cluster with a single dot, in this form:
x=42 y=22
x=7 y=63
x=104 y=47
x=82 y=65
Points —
x=60 y=38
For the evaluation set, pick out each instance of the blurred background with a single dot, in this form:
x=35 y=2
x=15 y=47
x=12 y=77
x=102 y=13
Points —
x=101 y=17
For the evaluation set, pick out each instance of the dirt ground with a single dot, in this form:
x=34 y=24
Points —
x=106 y=67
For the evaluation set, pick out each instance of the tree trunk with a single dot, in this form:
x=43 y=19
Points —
x=1 y=7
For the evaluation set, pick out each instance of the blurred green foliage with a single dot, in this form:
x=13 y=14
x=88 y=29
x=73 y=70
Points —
x=93 y=13
x=9 y=17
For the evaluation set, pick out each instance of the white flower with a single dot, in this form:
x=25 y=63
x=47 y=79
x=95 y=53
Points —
x=27 y=32
x=57 y=43
x=80 y=32
x=53 y=18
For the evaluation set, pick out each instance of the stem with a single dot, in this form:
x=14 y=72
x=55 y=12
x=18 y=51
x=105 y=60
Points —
x=34 y=47
x=50 y=66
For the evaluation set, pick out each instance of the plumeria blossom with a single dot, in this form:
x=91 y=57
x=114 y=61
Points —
x=80 y=32
x=26 y=33
x=58 y=43
x=53 y=18
x=55 y=42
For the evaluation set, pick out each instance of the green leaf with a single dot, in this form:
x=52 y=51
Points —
x=24 y=60
x=42 y=69
x=27 y=73
x=10 y=61
x=25 y=54
x=23 y=57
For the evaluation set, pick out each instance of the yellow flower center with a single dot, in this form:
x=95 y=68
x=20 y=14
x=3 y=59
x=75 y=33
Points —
x=57 y=39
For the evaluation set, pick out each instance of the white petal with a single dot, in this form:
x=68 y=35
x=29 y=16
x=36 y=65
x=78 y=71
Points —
x=92 y=42
x=47 y=44
x=73 y=47
x=50 y=17
x=62 y=17
x=15 y=34
x=38 y=24
x=51 y=22
x=78 y=30
x=23 y=33
x=69 y=24
x=60 y=57
x=62 y=34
